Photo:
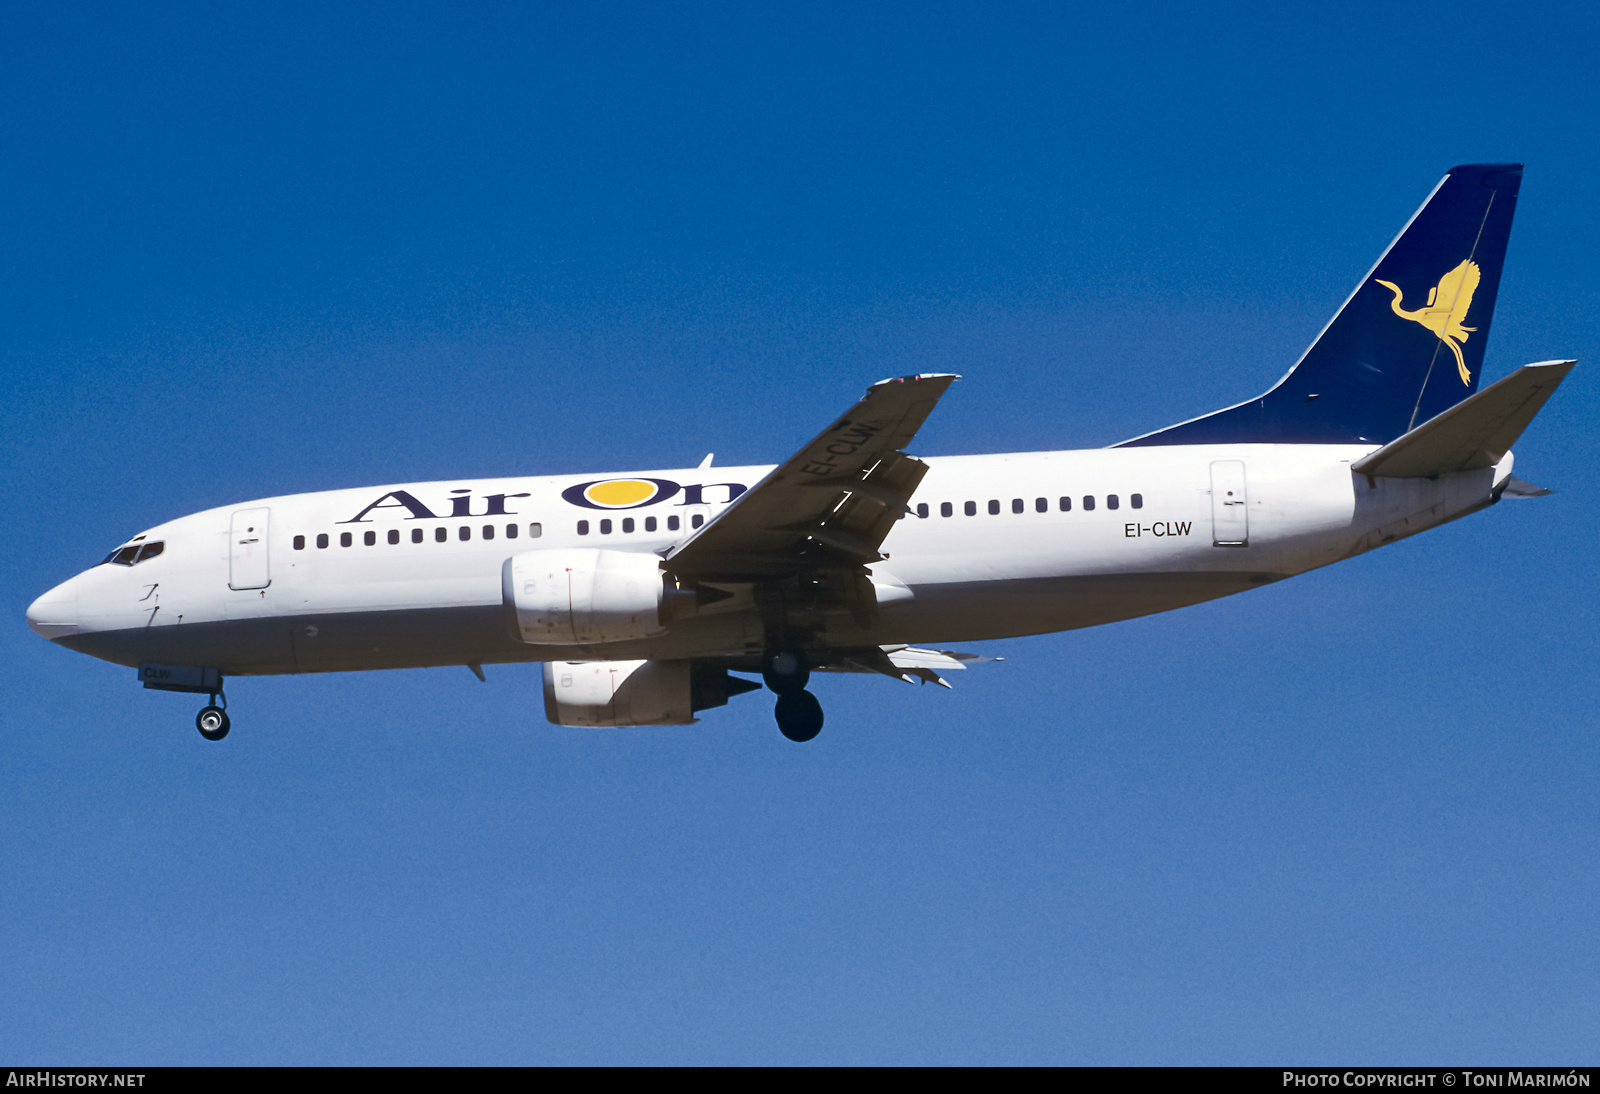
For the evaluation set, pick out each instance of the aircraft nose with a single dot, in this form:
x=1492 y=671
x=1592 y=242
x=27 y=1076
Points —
x=55 y=614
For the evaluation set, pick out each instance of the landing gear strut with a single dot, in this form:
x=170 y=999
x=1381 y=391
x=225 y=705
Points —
x=212 y=721
x=798 y=713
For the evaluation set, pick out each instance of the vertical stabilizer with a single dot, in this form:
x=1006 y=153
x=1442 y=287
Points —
x=1407 y=344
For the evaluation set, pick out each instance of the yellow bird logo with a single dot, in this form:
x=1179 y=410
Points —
x=1447 y=306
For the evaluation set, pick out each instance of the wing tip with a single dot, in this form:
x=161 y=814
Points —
x=920 y=377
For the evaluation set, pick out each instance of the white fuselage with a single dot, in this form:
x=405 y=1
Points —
x=1162 y=532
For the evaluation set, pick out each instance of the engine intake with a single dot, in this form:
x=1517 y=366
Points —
x=579 y=596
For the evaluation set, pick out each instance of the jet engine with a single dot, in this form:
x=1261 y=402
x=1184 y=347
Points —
x=635 y=693
x=578 y=596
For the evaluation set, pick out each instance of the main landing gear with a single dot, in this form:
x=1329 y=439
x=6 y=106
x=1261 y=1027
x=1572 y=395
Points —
x=798 y=713
x=212 y=721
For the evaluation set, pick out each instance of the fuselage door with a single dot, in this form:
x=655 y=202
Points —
x=1230 y=511
x=247 y=550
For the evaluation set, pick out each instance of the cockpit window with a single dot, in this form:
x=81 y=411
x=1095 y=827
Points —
x=136 y=552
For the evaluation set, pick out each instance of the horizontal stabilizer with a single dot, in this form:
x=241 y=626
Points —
x=1475 y=433
x=1521 y=489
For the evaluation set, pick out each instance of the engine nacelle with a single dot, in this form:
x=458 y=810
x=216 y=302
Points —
x=618 y=693
x=581 y=595
x=636 y=693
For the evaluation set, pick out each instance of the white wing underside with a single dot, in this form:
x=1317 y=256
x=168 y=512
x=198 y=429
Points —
x=911 y=664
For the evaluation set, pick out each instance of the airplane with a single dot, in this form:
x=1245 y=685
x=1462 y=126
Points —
x=650 y=596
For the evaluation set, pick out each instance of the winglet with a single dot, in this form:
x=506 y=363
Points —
x=1520 y=489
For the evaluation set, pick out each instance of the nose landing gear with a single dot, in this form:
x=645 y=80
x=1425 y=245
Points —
x=212 y=721
x=798 y=713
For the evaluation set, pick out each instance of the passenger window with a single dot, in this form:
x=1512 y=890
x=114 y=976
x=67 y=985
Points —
x=1088 y=502
x=299 y=543
x=344 y=539
x=1066 y=505
x=511 y=531
x=627 y=524
x=1112 y=501
x=488 y=531
x=605 y=527
x=583 y=527
x=416 y=535
x=322 y=540
x=649 y=524
x=1041 y=505
x=922 y=510
x=672 y=524
x=535 y=530
x=970 y=508
x=1137 y=500
x=394 y=536
x=464 y=533
x=370 y=538
x=1017 y=506
x=994 y=507
x=946 y=509
x=441 y=535
x=697 y=520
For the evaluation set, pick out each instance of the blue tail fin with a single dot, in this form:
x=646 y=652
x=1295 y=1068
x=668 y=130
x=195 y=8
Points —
x=1408 y=343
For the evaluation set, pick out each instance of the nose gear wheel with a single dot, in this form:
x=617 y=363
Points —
x=212 y=722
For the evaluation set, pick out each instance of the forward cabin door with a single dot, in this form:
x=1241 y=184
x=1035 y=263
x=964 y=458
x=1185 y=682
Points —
x=1230 y=509
x=247 y=550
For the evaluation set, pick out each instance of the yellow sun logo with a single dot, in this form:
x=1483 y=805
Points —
x=621 y=493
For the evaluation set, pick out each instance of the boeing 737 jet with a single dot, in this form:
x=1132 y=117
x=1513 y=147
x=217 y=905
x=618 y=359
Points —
x=650 y=596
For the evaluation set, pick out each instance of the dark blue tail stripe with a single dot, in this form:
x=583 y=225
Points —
x=1409 y=342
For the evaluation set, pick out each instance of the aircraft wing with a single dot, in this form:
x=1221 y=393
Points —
x=906 y=662
x=829 y=505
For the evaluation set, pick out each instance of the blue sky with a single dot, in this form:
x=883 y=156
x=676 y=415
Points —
x=262 y=249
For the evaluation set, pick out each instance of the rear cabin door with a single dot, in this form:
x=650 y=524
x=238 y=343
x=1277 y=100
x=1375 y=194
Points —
x=1230 y=509
x=247 y=550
